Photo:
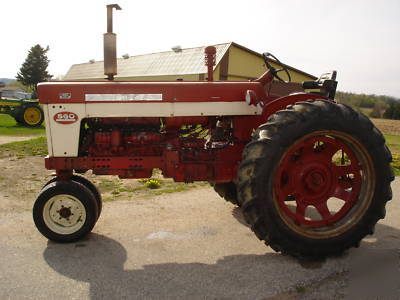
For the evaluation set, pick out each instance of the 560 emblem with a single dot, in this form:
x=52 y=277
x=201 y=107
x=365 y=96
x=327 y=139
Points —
x=65 y=117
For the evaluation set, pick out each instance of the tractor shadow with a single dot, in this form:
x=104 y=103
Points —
x=99 y=261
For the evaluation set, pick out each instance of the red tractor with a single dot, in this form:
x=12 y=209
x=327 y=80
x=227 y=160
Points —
x=311 y=176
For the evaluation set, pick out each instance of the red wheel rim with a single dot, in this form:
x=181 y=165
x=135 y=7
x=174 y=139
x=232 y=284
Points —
x=317 y=170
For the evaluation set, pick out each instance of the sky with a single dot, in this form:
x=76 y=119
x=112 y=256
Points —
x=358 y=38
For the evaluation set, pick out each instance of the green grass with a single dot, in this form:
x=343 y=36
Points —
x=8 y=126
x=32 y=147
x=151 y=183
x=396 y=164
x=300 y=289
x=169 y=187
x=110 y=185
x=141 y=188
x=365 y=111
x=393 y=142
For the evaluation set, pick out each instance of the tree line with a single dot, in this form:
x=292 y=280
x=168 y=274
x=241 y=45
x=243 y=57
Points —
x=375 y=106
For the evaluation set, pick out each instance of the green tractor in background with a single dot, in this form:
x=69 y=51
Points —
x=25 y=111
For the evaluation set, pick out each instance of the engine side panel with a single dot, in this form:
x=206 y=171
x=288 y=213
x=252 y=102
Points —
x=62 y=131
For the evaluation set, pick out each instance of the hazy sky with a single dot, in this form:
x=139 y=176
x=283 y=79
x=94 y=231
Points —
x=360 y=38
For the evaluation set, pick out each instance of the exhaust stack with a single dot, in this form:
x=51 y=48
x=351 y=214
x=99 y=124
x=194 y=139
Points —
x=210 y=56
x=110 y=45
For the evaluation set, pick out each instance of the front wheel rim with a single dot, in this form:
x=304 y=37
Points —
x=324 y=184
x=64 y=214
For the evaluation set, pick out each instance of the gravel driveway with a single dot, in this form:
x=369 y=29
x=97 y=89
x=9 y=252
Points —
x=4 y=139
x=189 y=245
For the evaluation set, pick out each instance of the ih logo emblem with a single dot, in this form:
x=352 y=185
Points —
x=65 y=117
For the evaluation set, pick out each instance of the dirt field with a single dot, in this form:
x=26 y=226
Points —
x=23 y=177
x=388 y=126
x=20 y=181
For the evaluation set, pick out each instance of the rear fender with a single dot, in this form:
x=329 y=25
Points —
x=281 y=103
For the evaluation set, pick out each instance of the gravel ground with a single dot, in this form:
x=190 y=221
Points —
x=4 y=139
x=188 y=245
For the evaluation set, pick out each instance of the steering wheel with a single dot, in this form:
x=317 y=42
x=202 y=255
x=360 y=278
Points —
x=274 y=71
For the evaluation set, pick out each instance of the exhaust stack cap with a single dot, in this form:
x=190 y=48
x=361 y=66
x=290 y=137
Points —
x=110 y=45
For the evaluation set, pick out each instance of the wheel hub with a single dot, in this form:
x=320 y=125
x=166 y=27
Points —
x=315 y=182
x=32 y=115
x=65 y=212
x=310 y=174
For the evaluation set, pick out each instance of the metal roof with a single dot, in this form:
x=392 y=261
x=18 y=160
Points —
x=186 y=61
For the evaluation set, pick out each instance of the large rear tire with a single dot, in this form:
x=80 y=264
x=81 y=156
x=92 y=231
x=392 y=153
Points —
x=227 y=190
x=315 y=179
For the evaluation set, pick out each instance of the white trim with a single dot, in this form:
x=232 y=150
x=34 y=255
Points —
x=172 y=109
x=123 y=97
x=48 y=130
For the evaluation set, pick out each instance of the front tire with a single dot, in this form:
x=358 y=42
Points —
x=315 y=179
x=65 y=211
x=88 y=184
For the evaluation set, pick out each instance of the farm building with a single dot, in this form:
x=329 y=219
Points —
x=14 y=92
x=233 y=62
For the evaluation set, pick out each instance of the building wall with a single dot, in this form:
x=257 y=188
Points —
x=216 y=73
x=244 y=65
x=16 y=93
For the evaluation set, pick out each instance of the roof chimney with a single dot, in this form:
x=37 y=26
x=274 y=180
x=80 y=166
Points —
x=177 y=49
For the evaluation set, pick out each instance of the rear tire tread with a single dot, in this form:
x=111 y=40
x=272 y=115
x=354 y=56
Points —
x=262 y=221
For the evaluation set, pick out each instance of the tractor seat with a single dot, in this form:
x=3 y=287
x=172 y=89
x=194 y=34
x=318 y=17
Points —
x=326 y=84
